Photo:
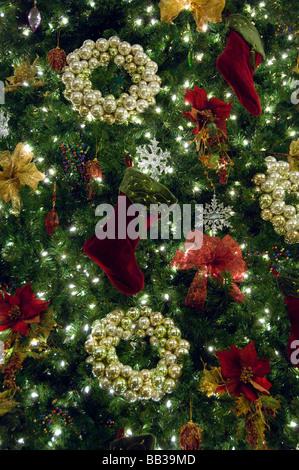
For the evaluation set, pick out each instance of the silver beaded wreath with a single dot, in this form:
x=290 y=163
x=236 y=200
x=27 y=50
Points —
x=136 y=323
x=90 y=103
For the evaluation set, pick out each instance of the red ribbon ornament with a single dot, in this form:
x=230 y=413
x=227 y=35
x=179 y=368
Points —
x=213 y=258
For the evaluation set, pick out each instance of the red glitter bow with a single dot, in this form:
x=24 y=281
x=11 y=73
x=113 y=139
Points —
x=213 y=258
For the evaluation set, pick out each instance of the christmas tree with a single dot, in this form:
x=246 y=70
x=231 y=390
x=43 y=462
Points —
x=186 y=104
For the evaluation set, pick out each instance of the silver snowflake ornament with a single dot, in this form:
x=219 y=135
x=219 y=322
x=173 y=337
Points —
x=4 y=131
x=215 y=216
x=153 y=160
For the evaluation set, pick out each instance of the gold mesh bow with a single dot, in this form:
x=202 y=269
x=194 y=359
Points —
x=17 y=171
x=204 y=11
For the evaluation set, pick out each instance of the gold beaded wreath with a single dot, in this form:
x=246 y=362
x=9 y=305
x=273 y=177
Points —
x=122 y=379
x=90 y=103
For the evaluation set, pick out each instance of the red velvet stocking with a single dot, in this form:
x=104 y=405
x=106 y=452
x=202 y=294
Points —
x=235 y=66
x=117 y=256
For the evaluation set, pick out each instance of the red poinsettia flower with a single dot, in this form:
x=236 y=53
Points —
x=199 y=101
x=243 y=372
x=17 y=311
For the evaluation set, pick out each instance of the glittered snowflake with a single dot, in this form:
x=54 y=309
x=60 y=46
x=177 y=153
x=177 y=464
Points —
x=153 y=160
x=215 y=216
x=4 y=131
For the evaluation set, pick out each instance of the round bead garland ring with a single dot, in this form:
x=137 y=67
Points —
x=123 y=379
x=90 y=103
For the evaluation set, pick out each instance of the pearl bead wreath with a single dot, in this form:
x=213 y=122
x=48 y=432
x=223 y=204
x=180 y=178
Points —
x=90 y=103
x=272 y=189
x=136 y=323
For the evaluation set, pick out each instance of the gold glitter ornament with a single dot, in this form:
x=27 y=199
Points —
x=190 y=436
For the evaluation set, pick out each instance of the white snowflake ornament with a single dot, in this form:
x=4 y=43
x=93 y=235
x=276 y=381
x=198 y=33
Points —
x=215 y=216
x=153 y=160
x=4 y=131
